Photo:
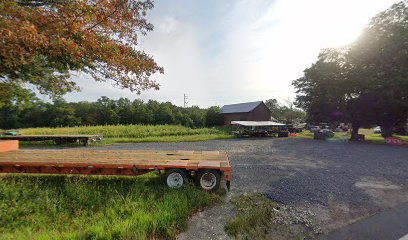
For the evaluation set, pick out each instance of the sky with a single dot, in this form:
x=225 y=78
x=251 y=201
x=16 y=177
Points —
x=232 y=51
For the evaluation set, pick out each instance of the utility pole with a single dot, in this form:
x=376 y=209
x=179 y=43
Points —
x=185 y=100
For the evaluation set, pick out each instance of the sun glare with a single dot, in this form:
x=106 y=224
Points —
x=290 y=34
x=341 y=22
x=333 y=23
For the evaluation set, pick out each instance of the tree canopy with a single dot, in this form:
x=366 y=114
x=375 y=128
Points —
x=366 y=82
x=43 y=41
x=287 y=113
x=36 y=113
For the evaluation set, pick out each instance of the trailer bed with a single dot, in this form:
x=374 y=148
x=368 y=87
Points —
x=58 y=139
x=110 y=162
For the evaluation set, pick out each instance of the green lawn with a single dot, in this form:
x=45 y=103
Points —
x=344 y=136
x=75 y=207
x=137 y=133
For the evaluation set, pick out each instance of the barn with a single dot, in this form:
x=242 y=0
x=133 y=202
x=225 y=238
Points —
x=250 y=111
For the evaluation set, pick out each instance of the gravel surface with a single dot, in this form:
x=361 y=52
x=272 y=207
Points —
x=339 y=182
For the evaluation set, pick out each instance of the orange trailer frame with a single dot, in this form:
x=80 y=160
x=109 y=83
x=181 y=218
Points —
x=109 y=162
x=57 y=139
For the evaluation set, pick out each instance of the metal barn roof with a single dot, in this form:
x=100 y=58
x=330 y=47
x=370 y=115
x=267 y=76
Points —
x=240 y=107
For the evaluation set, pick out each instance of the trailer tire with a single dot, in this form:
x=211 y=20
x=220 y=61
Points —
x=209 y=179
x=58 y=141
x=175 y=178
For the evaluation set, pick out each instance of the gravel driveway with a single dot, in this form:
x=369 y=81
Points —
x=339 y=182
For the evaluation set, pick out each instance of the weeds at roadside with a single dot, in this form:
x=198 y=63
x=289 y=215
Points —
x=260 y=218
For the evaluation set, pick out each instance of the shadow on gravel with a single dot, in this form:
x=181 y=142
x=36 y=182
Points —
x=319 y=186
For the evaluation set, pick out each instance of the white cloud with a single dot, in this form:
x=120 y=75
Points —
x=225 y=52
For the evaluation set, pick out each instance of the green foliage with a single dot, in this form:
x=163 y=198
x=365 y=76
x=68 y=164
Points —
x=254 y=212
x=322 y=91
x=260 y=218
x=287 y=113
x=134 y=133
x=36 y=113
x=214 y=117
x=43 y=41
x=184 y=138
x=73 y=207
x=365 y=83
x=126 y=131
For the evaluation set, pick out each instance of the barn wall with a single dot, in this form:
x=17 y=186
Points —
x=235 y=117
x=260 y=113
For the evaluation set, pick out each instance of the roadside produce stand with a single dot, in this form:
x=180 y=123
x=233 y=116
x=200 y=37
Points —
x=57 y=139
x=205 y=167
x=260 y=129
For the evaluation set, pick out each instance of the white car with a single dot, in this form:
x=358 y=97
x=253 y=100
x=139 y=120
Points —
x=377 y=130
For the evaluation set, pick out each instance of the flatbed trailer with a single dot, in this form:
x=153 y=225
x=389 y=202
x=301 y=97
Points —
x=205 y=167
x=57 y=139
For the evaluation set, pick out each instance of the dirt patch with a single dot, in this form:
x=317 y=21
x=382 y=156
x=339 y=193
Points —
x=259 y=218
x=334 y=216
x=375 y=183
x=383 y=192
x=209 y=224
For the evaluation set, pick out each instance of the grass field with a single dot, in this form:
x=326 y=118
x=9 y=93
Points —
x=170 y=133
x=74 y=207
x=344 y=136
x=137 y=133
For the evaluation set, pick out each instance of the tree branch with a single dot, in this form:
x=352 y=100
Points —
x=107 y=16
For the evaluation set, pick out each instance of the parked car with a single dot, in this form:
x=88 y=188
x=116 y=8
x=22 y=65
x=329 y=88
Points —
x=314 y=128
x=377 y=130
x=327 y=132
x=10 y=133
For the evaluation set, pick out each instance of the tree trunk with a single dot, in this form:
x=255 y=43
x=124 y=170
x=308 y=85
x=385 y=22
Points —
x=354 y=132
x=387 y=125
x=386 y=131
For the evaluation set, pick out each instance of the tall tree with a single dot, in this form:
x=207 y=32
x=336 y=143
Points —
x=365 y=83
x=380 y=61
x=43 y=41
x=214 y=117
x=62 y=114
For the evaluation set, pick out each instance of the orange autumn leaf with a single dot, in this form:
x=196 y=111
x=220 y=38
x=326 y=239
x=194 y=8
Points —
x=42 y=41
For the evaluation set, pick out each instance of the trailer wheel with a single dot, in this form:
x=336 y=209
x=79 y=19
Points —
x=58 y=141
x=209 y=179
x=175 y=178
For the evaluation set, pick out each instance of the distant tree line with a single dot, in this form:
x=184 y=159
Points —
x=364 y=83
x=33 y=112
